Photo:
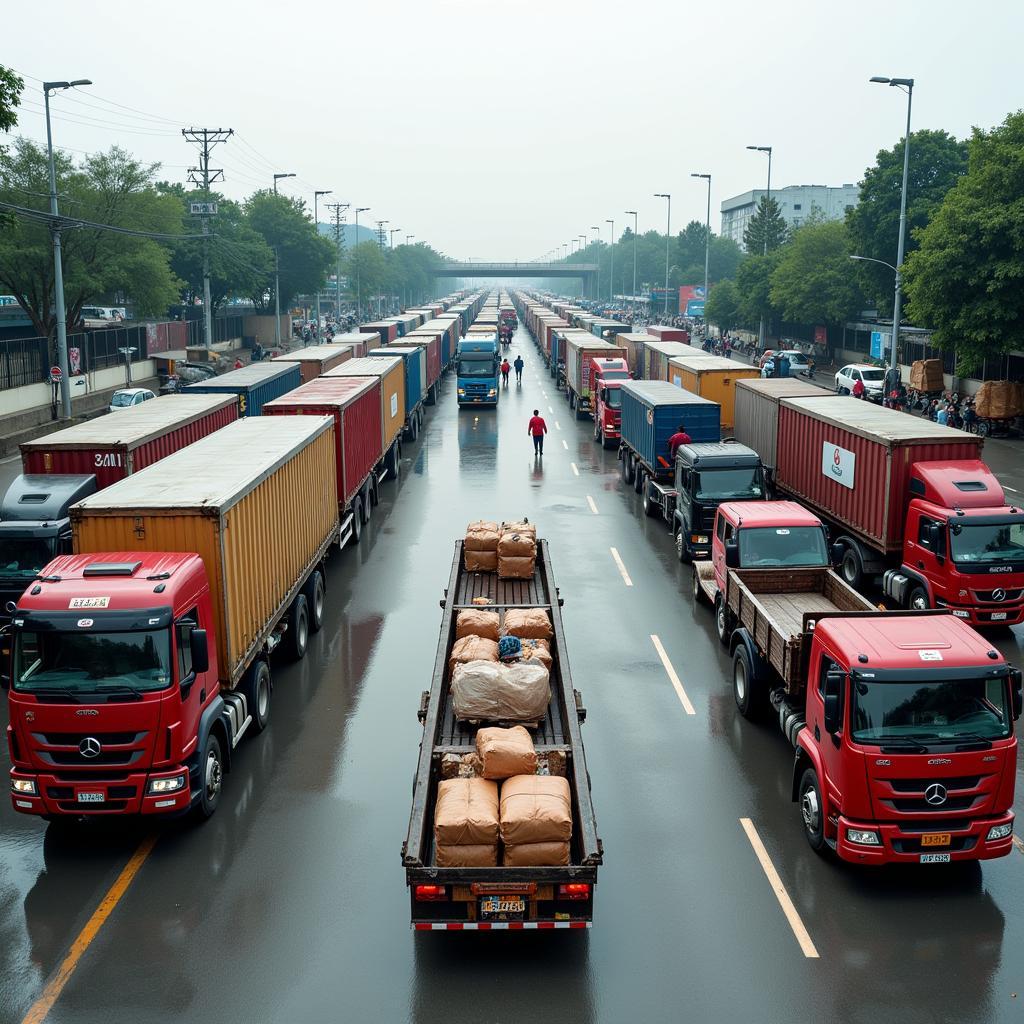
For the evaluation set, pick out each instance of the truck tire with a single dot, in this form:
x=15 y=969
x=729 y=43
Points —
x=851 y=568
x=639 y=479
x=745 y=684
x=627 y=467
x=357 y=519
x=211 y=777
x=650 y=507
x=315 y=596
x=571 y=396
x=680 y=539
x=298 y=628
x=414 y=428
x=699 y=597
x=811 y=810
x=918 y=600
x=257 y=692
x=723 y=620
x=597 y=432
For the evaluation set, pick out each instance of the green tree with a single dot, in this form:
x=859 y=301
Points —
x=766 y=230
x=815 y=281
x=367 y=265
x=754 y=284
x=106 y=188
x=723 y=306
x=10 y=96
x=966 y=278
x=937 y=161
x=303 y=255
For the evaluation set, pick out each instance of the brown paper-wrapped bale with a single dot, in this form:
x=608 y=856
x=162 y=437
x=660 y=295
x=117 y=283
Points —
x=482 y=537
x=505 y=752
x=537 y=650
x=482 y=856
x=517 y=544
x=515 y=567
x=480 y=561
x=536 y=855
x=476 y=622
x=472 y=648
x=535 y=809
x=528 y=624
x=996 y=399
x=523 y=527
x=926 y=375
x=466 y=813
x=483 y=526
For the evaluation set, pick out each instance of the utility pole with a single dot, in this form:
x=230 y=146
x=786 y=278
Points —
x=339 y=241
x=611 y=264
x=316 y=225
x=382 y=235
x=204 y=176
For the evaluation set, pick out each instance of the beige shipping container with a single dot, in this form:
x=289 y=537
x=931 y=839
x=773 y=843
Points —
x=756 y=423
x=713 y=379
x=391 y=371
x=315 y=360
x=257 y=501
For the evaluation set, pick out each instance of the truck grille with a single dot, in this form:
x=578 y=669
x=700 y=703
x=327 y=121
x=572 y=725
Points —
x=1004 y=596
x=73 y=749
x=909 y=796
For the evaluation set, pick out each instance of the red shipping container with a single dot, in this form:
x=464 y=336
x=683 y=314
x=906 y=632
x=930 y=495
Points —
x=851 y=460
x=315 y=360
x=388 y=330
x=431 y=341
x=121 y=443
x=360 y=342
x=669 y=333
x=354 y=404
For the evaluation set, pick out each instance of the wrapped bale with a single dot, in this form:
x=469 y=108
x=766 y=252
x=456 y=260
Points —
x=522 y=544
x=480 y=549
x=996 y=400
x=535 y=809
x=528 y=624
x=503 y=753
x=472 y=648
x=926 y=375
x=536 y=855
x=516 y=567
x=483 y=856
x=537 y=650
x=475 y=622
x=466 y=823
x=490 y=691
x=525 y=527
x=480 y=561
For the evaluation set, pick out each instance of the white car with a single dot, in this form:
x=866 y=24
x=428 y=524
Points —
x=127 y=397
x=798 y=363
x=872 y=376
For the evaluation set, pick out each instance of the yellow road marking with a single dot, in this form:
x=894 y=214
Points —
x=622 y=568
x=593 y=507
x=672 y=677
x=41 y=1007
x=799 y=931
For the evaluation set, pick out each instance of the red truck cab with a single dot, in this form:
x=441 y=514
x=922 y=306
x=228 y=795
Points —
x=114 y=687
x=606 y=376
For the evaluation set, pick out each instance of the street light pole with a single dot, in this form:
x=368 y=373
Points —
x=611 y=263
x=668 y=238
x=633 y=212
x=278 y=177
x=58 y=262
x=707 y=238
x=597 y=238
x=768 y=196
x=359 y=298
x=316 y=223
x=908 y=84
x=277 y=299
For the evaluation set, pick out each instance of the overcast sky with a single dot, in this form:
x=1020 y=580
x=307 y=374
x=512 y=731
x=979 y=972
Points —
x=501 y=130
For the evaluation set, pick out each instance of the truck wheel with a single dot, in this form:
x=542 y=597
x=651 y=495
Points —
x=258 y=691
x=211 y=777
x=696 y=589
x=681 y=553
x=851 y=567
x=627 y=468
x=918 y=601
x=650 y=508
x=597 y=432
x=811 y=810
x=571 y=398
x=357 y=519
x=639 y=477
x=298 y=628
x=744 y=683
x=315 y=592
x=984 y=428
x=414 y=428
x=723 y=620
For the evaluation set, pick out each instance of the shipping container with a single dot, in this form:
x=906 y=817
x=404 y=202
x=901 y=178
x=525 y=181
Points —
x=257 y=501
x=353 y=403
x=431 y=344
x=633 y=343
x=391 y=373
x=655 y=356
x=253 y=384
x=414 y=360
x=652 y=412
x=387 y=331
x=756 y=414
x=358 y=341
x=115 y=446
x=315 y=360
x=851 y=460
x=578 y=353
x=714 y=379
x=660 y=333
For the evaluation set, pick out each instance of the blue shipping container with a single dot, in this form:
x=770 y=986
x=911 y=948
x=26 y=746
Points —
x=557 y=343
x=415 y=362
x=255 y=385
x=651 y=413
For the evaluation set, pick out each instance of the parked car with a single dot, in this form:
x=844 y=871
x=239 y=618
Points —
x=798 y=363
x=127 y=397
x=873 y=377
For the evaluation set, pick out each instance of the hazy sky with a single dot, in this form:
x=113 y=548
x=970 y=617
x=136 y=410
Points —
x=501 y=130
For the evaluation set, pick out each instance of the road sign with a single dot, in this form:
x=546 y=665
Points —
x=202 y=209
x=55 y=374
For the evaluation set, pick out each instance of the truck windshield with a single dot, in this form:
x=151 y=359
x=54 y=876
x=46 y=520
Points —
x=766 y=547
x=481 y=367
x=24 y=557
x=940 y=712
x=987 y=542
x=614 y=398
x=82 y=662
x=725 y=484
x=614 y=375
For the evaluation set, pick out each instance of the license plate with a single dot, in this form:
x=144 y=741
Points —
x=936 y=839
x=935 y=858
x=502 y=907
x=999 y=616
x=91 y=798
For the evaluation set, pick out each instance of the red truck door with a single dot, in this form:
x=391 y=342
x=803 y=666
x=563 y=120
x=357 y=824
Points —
x=192 y=704
x=829 y=747
x=926 y=554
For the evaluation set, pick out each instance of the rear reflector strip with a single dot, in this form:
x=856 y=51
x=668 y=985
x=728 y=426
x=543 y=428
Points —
x=495 y=926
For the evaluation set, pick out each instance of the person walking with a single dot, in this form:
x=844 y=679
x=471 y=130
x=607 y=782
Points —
x=537 y=429
x=519 y=364
x=506 y=369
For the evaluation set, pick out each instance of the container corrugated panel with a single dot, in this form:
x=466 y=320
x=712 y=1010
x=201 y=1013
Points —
x=253 y=384
x=414 y=360
x=881 y=446
x=315 y=360
x=668 y=333
x=359 y=341
x=756 y=414
x=656 y=357
x=577 y=362
x=387 y=331
x=354 y=404
x=714 y=379
x=391 y=373
x=431 y=346
x=256 y=501
x=633 y=343
x=114 y=446
x=652 y=412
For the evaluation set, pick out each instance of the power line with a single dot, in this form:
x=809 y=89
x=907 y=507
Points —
x=64 y=223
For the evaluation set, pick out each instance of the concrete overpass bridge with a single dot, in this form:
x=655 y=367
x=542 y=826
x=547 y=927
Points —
x=583 y=271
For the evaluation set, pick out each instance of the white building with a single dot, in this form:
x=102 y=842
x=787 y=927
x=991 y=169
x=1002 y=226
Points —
x=796 y=202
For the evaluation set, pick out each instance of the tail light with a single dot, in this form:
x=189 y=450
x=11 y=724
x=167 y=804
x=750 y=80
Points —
x=430 y=892
x=574 y=891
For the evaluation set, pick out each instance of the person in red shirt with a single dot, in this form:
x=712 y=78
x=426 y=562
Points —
x=537 y=429
x=238 y=363
x=678 y=438
x=506 y=369
x=858 y=388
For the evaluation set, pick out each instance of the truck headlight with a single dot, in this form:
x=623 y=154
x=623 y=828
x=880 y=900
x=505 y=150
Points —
x=26 y=786
x=698 y=538
x=863 y=837
x=171 y=785
x=492 y=392
x=462 y=391
x=999 y=832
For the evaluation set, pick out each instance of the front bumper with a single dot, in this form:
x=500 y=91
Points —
x=127 y=794
x=987 y=614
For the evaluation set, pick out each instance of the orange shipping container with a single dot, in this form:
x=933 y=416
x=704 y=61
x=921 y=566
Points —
x=315 y=360
x=391 y=372
x=712 y=378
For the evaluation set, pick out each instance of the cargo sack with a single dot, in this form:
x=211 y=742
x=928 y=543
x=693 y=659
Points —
x=463 y=766
x=466 y=813
x=527 y=623
x=483 y=526
x=926 y=375
x=515 y=567
x=525 y=527
x=517 y=544
x=537 y=650
x=481 y=561
x=491 y=692
x=535 y=809
x=476 y=856
x=472 y=648
x=482 y=537
x=472 y=622
x=996 y=400
x=505 y=752
x=536 y=855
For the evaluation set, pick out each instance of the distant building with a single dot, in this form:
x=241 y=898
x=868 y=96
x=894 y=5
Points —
x=795 y=203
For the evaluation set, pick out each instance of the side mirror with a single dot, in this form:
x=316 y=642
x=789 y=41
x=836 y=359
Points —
x=833 y=702
x=933 y=535
x=1017 y=691
x=732 y=554
x=836 y=552
x=200 y=652
x=5 y=657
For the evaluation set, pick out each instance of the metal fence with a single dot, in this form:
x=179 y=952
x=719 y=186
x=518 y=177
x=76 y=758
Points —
x=225 y=328
x=23 y=361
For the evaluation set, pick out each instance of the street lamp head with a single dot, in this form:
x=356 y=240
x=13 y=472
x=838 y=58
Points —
x=880 y=79
x=632 y=213
x=362 y=209
x=324 y=192
x=708 y=176
x=661 y=195
x=80 y=81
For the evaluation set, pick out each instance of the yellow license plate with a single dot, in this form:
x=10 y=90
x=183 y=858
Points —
x=936 y=839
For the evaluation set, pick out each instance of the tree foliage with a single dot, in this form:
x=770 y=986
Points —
x=766 y=230
x=754 y=282
x=966 y=279
x=723 y=306
x=937 y=161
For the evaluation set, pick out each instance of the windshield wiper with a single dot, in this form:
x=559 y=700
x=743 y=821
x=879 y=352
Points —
x=117 y=688
x=903 y=743
x=53 y=691
x=971 y=741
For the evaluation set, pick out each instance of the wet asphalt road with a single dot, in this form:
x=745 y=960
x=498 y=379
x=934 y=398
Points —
x=290 y=904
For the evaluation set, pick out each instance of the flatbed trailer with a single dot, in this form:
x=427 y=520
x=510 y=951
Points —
x=449 y=899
